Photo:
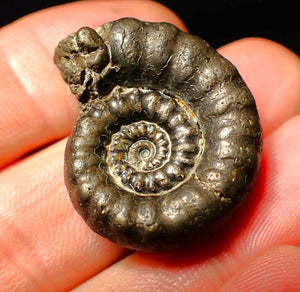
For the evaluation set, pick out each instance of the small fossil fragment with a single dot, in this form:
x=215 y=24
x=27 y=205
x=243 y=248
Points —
x=168 y=141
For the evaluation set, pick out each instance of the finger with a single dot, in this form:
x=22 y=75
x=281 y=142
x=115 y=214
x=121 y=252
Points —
x=276 y=270
x=268 y=218
x=42 y=239
x=272 y=73
x=36 y=107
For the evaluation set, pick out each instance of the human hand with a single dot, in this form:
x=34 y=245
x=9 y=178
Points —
x=46 y=246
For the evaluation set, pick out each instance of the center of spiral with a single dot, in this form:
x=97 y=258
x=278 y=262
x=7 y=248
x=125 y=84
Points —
x=141 y=155
x=135 y=152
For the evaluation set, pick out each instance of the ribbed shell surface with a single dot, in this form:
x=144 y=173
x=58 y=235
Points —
x=168 y=141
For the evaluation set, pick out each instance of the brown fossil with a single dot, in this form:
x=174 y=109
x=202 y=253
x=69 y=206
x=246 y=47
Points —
x=168 y=141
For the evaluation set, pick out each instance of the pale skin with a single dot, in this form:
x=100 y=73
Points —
x=46 y=246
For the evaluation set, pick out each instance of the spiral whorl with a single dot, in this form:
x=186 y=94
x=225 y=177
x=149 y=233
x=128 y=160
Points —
x=157 y=152
x=168 y=141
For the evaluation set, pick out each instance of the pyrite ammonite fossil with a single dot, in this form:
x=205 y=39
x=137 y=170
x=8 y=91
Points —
x=168 y=141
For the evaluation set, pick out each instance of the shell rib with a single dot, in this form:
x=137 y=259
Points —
x=168 y=142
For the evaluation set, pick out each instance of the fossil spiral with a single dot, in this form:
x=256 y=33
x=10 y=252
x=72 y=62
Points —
x=168 y=141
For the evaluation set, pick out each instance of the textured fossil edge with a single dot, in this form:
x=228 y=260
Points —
x=217 y=96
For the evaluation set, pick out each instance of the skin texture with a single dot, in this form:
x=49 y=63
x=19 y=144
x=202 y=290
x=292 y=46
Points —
x=45 y=245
